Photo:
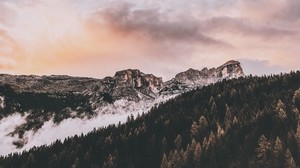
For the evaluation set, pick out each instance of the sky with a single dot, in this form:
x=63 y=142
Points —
x=96 y=38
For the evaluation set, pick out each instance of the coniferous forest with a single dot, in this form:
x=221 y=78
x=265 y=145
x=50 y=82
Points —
x=245 y=122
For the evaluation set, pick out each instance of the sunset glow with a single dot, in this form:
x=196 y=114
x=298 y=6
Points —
x=97 y=38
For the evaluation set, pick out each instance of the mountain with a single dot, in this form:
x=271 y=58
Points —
x=193 y=78
x=245 y=122
x=34 y=102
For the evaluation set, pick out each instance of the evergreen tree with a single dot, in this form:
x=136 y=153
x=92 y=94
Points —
x=202 y=125
x=197 y=155
x=164 y=163
x=87 y=159
x=204 y=143
x=177 y=160
x=296 y=98
x=289 y=160
x=194 y=130
x=110 y=162
x=30 y=161
x=178 y=142
x=76 y=163
x=164 y=145
x=53 y=163
x=211 y=101
x=193 y=145
x=277 y=148
x=235 y=120
x=213 y=108
x=298 y=141
x=188 y=157
x=228 y=118
x=280 y=110
x=211 y=138
x=277 y=153
x=263 y=151
x=220 y=131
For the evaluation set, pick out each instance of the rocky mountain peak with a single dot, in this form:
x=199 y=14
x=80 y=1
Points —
x=231 y=69
x=192 y=78
x=188 y=76
x=130 y=76
x=138 y=79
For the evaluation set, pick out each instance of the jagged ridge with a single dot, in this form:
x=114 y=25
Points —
x=58 y=97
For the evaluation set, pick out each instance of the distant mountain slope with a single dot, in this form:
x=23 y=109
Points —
x=245 y=122
x=36 y=100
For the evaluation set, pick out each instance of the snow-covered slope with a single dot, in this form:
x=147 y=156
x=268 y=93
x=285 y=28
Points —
x=37 y=110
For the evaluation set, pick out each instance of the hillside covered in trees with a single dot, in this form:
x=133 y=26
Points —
x=245 y=122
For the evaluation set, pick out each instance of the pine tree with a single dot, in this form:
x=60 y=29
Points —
x=213 y=108
x=211 y=101
x=289 y=160
x=235 y=120
x=177 y=160
x=178 y=142
x=188 y=157
x=263 y=151
x=194 y=130
x=197 y=155
x=277 y=147
x=296 y=99
x=87 y=159
x=202 y=124
x=164 y=162
x=164 y=145
x=211 y=138
x=228 y=118
x=76 y=163
x=298 y=140
x=298 y=132
x=110 y=162
x=53 y=161
x=280 y=110
x=31 y=160
x=193 y=145
x=220 y=131
x=204 y=143
x=278 y=153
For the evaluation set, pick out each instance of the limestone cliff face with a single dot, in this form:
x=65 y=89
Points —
x=231 y=69
x=192 y=78
x=130 y=84
x=135 y=78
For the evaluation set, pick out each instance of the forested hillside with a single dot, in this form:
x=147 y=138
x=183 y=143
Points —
x=245 y=122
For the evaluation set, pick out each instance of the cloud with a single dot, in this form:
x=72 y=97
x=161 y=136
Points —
x=244 y=27
x=289 y=12
x=154 y=36
x=260 y=67
x=156 y=25
x=8 y=49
